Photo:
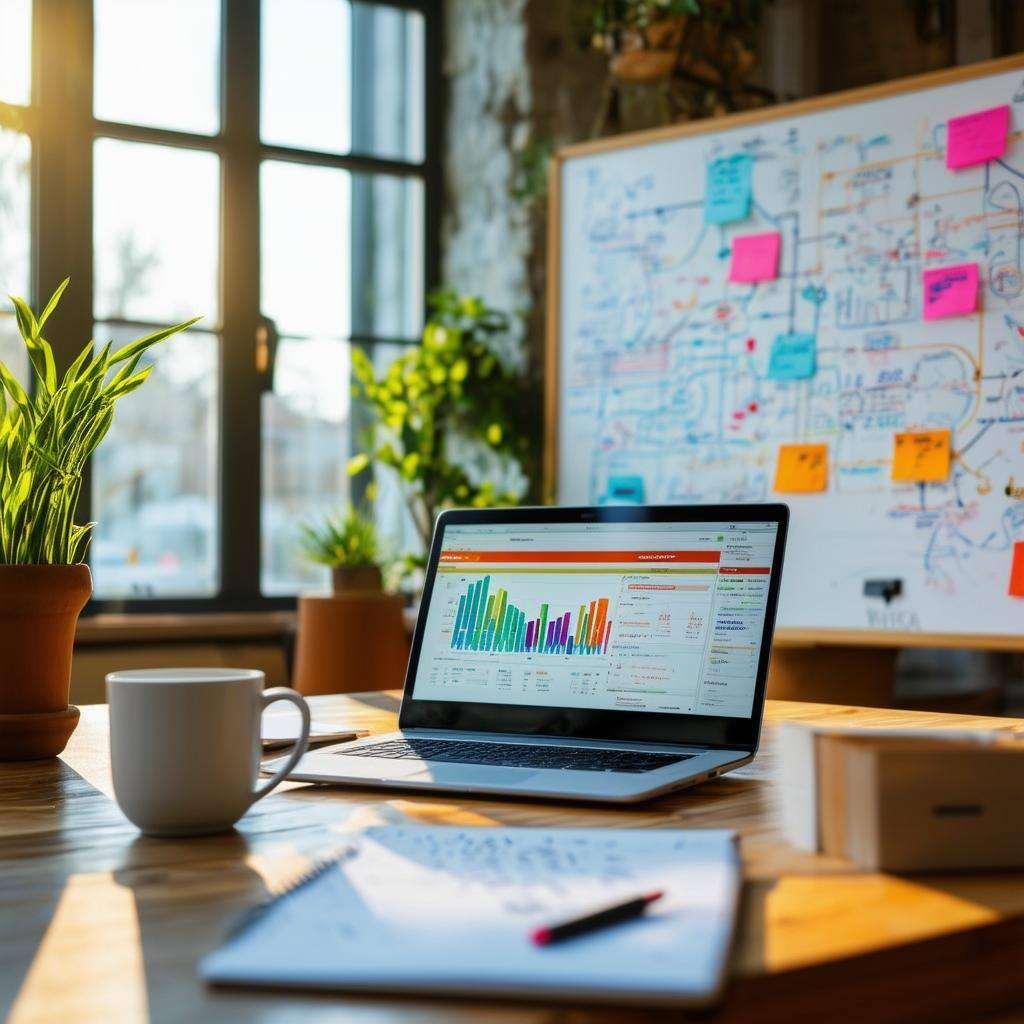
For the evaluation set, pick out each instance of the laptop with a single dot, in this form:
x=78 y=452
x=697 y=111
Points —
x=603 y=654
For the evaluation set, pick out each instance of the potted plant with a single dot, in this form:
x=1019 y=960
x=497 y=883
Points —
x=46 y=439
x=354 y=636
x=451 y=417
x=676 y=60
x=347 y=544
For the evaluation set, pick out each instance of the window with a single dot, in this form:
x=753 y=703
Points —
x=15 y=168
x=15 y=163
x=270 y=164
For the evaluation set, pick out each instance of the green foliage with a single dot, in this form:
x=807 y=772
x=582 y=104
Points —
x=46 y=439
x=609 y=14
x=452 y=388
x=530 y=184
x=348 y=538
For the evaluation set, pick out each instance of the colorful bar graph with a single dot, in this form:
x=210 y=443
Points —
x=488 y=621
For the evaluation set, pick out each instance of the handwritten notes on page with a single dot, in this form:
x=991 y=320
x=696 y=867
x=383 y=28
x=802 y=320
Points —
x=921 y=457
x=755 y=257
x=727 y=195
x=801 y=468
x=445 y=909
x=794 y=357
x=950 y=291
x=977 y=138
x=1016 y=588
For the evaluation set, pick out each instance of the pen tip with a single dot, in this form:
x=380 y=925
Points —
x=652 y=896
x=541 y=937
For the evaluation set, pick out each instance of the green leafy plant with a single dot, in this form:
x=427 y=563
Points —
x=437 y=403
x=47 y=437
x=342 y=538
x=609 y=15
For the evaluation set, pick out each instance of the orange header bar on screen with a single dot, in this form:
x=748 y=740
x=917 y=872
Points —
x=582 y=556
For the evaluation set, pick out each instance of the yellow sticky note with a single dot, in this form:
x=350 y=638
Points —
x=921 y=457
x=802 y=468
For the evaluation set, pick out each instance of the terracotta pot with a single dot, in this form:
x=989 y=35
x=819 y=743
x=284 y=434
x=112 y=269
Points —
x=666 y=34
x=350 y=579
x=643 y=66
x=39 y=607
x=350 y=642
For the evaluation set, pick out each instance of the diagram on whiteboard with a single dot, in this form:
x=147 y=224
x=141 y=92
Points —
x=828 y=310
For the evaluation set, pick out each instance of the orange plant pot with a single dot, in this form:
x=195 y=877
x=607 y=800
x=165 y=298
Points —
x=349 y=642
x=39 y=608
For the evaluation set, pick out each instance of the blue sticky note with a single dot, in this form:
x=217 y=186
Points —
x=624 y=490
x=727 y=196
x=794 y=357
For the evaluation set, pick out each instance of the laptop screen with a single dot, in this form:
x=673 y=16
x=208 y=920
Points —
x=663 y=617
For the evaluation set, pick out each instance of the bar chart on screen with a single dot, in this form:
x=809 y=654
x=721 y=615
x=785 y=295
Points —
x=487 y=621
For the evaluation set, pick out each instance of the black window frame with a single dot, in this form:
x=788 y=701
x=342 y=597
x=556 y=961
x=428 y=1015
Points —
x=62 y=129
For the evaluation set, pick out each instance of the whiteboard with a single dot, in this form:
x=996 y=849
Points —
x=659 y=385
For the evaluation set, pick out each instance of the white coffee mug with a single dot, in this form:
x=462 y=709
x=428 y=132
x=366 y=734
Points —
x=185 y=746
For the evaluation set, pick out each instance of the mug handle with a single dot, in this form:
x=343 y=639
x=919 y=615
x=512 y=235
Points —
x=268 y=697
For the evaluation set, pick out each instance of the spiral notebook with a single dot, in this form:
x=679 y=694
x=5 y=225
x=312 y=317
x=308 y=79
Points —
x=449 y=910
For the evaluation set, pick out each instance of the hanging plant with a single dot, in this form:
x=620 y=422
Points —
x=697 y=54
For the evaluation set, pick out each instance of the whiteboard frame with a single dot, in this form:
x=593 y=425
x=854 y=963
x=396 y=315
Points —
x=795 y=638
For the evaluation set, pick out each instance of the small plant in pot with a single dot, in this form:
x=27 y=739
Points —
x=47 y=434
x=347 y=543
x=356 y=633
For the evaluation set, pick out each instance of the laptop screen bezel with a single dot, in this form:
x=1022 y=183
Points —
x=589 y=723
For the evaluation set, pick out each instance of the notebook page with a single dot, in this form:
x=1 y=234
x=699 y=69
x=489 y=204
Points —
x=445 y=909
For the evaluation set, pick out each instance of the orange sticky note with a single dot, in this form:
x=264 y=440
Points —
x=802 y=468
x=1017 y=570
x=921 y=457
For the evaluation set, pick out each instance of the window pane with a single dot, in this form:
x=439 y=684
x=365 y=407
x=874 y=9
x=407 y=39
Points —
x=387 y=256
x=387 y=82
x=305 y=74
x=15 y=237
x=330 y=237
x=305 y=447
x=158 y=63
x=16 y=51
x=305 y=220
x=154 y=477
x=12 y=348
x=156 y=224
x=337 y=77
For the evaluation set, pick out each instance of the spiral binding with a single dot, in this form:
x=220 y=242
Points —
x=252 y=914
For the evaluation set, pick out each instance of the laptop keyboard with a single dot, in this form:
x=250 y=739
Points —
x=519 y=755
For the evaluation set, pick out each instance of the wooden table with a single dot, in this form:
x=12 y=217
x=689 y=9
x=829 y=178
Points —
x=98 y=923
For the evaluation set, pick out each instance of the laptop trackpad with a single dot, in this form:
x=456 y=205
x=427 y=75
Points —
x=470 y=775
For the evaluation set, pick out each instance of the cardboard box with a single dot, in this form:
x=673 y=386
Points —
x=904 y=800
x=898 y=805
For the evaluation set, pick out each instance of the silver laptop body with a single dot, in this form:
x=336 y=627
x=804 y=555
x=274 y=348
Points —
x=604 y=654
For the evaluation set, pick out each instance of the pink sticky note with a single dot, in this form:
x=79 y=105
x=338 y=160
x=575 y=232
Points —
x=950 y=291
x=755 y=257
x=977 y=138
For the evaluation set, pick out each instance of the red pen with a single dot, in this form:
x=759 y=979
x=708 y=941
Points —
x=592 y=922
